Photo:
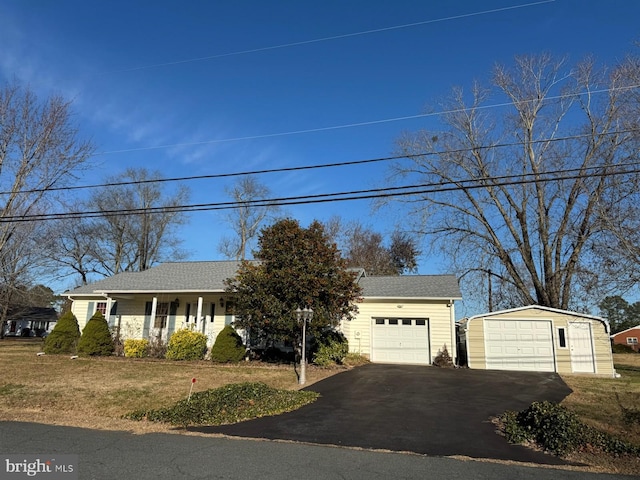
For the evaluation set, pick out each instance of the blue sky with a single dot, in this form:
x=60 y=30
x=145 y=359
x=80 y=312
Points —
x=201 y=80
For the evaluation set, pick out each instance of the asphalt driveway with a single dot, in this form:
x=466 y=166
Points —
x=424 y=410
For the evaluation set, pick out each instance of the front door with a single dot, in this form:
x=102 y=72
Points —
x=581 y=345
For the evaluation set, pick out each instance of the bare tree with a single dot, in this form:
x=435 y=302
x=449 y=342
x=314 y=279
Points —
x=247 y=218
x=40 y=151
x=122 y=241
x=519 y=191
x=364 y=248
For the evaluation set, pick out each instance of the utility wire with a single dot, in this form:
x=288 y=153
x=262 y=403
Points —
x=314 y=167
x=358 y=124
x=326 y=39
x=407 y=190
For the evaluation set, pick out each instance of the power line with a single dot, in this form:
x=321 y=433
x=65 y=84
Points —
x=388 y=192
x=357 y=124
x=313 y=167
x=326 y=39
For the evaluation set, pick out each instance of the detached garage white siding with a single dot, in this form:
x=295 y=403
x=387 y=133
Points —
x=519 y=345
x=538 y=339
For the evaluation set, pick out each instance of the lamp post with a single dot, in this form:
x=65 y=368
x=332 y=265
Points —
x=304 y=316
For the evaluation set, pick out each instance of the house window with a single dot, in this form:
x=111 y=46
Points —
x=562 y=337
x=102 y=308
x=632 y=340
x=162 y=311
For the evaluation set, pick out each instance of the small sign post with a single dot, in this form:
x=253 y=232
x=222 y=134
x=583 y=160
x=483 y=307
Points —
x=193 y=380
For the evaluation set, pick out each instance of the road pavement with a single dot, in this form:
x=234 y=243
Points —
x=106 y=455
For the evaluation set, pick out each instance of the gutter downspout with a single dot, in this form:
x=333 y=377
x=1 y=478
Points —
x=452 y=318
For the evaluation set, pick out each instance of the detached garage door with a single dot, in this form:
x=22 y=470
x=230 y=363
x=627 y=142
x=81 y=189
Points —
x=519 y=345
x=400 y=340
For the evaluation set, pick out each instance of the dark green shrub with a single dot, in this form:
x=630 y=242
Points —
x=512 y=430
x=559 y=431
x=553 y=427
x=229 y=404
x=228 y=347
x=618 y=348
x=64 y=337
x=96 y=338
x=329 y=348
x=187 y=345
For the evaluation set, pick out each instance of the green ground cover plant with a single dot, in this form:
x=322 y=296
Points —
x=228 y=404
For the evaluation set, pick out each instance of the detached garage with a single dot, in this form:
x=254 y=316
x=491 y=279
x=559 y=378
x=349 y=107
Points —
x=537 y=339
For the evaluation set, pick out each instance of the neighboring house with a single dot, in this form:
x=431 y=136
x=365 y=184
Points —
x=539 y=339
x=628 y=337
x=402 y=319
x=30 y=321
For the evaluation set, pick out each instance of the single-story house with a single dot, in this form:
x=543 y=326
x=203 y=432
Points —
x=537 y=338
x=628 y=337
x=30 y=321
x=401 y=319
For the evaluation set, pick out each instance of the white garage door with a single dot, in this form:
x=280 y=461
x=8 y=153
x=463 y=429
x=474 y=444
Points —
x=400 y=340
x=519 y=345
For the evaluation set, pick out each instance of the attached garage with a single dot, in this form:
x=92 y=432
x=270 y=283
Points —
x=537 y=339
x=404 y=319
x=400 y=340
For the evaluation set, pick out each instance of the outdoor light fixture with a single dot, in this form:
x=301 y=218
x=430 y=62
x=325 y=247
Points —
x=221 y=302
x=305 y=316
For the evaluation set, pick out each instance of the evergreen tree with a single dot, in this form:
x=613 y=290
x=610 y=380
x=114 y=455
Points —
x=227 y=347
x=64 y=337
x=96 y=338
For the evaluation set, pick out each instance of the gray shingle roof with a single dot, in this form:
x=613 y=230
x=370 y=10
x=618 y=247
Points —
x=411 y=286
x=210 y=276
x=172 y=276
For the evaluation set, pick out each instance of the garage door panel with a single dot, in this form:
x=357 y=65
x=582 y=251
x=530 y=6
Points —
x=519 y=345
x=400 y=341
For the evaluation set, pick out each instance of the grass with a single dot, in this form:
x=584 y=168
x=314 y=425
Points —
x=611 y=405
x=98 y=392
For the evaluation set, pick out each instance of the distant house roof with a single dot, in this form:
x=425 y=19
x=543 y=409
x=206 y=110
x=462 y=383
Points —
x=637 y=327
x=33 y=313
x=174 y=277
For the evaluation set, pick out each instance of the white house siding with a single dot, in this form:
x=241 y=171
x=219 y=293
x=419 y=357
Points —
x=602 y=357
x=131 y=313
x=438 y=314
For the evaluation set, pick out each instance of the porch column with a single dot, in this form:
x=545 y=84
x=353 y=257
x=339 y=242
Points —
x=108 y=311
x=152 y=327
x=454 y=339
x=199 y=315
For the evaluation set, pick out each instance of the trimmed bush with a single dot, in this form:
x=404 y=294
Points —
x=64 y=337
x=228 y=347
x=331 y=348
x=96 y=338
x=136 y=348
x=187 y=344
